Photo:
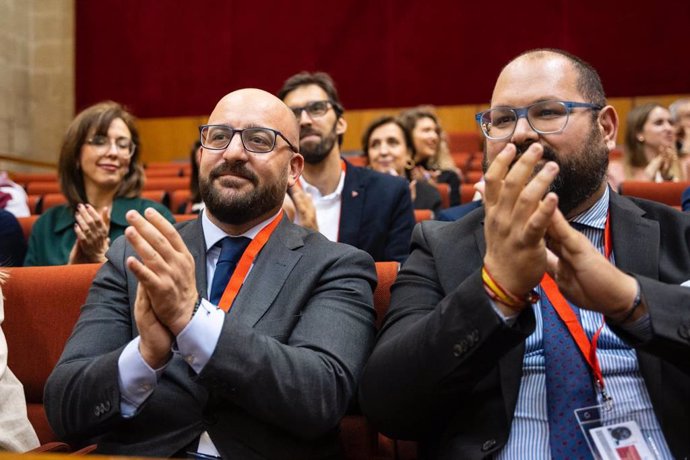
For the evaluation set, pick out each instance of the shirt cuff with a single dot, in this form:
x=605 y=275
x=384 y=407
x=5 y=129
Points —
x=197 y=341
x=508 y=320
x=136 y=379
x=640 y=329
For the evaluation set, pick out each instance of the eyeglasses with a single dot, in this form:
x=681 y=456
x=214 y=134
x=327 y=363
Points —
x=255 y=140
x=315 y=109
x=546 y=117
x=123 y=145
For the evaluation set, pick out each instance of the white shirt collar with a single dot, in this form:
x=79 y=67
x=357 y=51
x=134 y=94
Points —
x=213 y=234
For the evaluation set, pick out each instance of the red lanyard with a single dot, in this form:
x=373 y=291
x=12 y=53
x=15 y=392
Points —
x=246 y=262
x=567 y=315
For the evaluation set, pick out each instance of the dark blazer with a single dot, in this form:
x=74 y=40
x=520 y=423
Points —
x=376 y=214
x=12 y=243
x=281 y=377
x=456 y=212
x=446 y=369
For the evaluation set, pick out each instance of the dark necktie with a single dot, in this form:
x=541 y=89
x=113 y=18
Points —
x=230 y=253
x=569 y=386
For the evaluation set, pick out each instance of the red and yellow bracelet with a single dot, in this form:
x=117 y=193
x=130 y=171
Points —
x=498 y=293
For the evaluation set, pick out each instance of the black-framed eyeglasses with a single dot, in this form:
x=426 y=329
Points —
x=255 y=140
x=102 y=144
x=545 y=117
x=315 y=109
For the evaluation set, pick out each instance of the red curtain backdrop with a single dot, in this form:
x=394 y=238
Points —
x=178 y=57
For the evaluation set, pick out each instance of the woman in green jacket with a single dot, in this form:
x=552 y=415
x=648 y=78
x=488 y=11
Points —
x=99 y=174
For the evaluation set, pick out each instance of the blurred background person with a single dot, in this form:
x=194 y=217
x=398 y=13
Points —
x=650 y=151
x=13 y=197
x=680 y=114
x=389 y=148
x=16 y=433
x=432 y=156
x=101 y=177
x=194 y=205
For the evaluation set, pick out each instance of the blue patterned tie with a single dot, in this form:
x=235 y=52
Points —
x=230 y=253
x=569 y=386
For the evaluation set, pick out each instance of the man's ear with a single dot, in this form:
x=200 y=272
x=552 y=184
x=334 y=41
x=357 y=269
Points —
x=296 y=166
x=198 y=155
x=341 y=125
x=608 y=125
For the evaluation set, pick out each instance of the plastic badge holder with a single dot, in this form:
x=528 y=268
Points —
x=612 y=433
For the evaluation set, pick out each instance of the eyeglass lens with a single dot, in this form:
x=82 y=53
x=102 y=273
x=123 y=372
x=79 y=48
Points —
x=314 y=109
x=257 y=140
x=123 y=144
x=545 y=117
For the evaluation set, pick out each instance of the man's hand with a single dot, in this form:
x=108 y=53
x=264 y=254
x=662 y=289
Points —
x=304 y=207
x=92 y=229
x=155 y=339
x=585 y=276
x=517 y=216
x=166 y=270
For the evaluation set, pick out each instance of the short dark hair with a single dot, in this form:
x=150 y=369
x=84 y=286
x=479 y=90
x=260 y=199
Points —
x=384 y=120
x=320 y=79
x=95 y=120
x=588 y=81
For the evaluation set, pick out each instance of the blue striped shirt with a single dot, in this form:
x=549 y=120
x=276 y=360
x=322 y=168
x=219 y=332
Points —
x=529 y=436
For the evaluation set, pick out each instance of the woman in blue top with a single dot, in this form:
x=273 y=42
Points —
x=99 y=174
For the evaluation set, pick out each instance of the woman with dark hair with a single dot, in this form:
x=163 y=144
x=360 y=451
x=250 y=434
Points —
x=101 y=177
x=390 y=150
x=432 y=156
x=650 y=151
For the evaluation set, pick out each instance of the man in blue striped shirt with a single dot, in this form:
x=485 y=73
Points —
x=460 y=362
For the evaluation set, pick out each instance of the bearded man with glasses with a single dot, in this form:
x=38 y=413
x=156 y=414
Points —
x=552 y=321
x=349 y=204
x=238 y=335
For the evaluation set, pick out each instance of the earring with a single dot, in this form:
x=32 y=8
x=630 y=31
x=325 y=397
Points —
x=640 y=139
x=409 y=164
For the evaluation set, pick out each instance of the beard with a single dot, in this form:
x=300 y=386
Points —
x=240 y=208
x=580 y=172
x=316 y=153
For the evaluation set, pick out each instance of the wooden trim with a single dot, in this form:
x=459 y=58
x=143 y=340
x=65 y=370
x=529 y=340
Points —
x=27 y=161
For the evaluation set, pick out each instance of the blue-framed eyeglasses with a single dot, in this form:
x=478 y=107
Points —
x=545 y=117
x=255 y=140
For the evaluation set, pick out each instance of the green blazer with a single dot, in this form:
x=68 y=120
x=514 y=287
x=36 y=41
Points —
x=52 y=235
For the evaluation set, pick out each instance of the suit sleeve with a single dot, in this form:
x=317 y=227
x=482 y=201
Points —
x=435 y=345
x=402 y=223
x=305 y=382
x=669 y=310
x=82 y=397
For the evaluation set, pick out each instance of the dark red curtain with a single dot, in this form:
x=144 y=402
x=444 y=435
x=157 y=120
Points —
x=178 y=57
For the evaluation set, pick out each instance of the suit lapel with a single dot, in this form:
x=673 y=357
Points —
x=351 y=206
x=510 y=365
x=271 y=269
x=192 y=234
x=636 y=240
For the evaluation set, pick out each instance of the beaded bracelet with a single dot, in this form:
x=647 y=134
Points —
x=636 y=303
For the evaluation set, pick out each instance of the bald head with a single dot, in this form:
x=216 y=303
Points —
x=256 y=107
x=586 y=79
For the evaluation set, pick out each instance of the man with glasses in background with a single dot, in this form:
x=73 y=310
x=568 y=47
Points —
x=559 y=296
x=237 y=335
x=352 y=205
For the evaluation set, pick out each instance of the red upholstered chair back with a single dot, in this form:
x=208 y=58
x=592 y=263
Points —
x=27 y=224
x=386 y=272
x=444 y=191
x=423 y=214
x=41 y=307
x=664 y=192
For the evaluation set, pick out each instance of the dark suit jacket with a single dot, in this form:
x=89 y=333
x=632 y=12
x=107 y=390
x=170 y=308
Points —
x=376 y=214
x=446 y=370
x=282 y=375
x=456 y=212
x=12 y=244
